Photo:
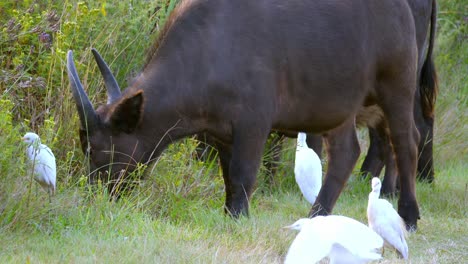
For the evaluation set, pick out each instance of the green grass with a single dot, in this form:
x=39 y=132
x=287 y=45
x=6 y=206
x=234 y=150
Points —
x=85 y=229
x=175 y=214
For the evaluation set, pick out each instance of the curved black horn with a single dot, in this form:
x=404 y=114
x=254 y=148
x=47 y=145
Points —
x=86 y=111
x=113 y=89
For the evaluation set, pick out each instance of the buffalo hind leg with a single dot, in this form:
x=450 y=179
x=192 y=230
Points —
x=389 y=183
x=404 y=146
x=374 y=161
x=246 y=154
x=404 y=137
x=425 y=161
x=343 y=151
x=391 y=173
x=379 y=154
x=425 y=127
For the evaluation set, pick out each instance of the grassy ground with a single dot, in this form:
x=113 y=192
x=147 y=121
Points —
x=175 y=215
x=84 y=229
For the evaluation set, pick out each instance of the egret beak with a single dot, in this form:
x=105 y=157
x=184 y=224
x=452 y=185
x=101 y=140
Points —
x=287 y=227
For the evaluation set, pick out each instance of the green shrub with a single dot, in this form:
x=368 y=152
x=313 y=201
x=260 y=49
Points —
x=34 y=92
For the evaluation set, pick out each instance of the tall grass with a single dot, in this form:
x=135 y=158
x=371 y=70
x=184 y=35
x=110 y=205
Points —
x=175 y=213
x=451 y=133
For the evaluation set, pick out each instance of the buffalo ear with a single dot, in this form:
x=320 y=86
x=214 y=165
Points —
x=127 y=114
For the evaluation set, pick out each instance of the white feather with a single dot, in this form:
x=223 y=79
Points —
x=385 y=221
x=43 y=160
x=307 y=169
x=342 y=239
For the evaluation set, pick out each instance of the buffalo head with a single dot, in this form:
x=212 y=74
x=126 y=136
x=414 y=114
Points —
x=109 y=134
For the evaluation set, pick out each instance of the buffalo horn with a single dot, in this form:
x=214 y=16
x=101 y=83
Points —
x=86 y=111
x=113 y=89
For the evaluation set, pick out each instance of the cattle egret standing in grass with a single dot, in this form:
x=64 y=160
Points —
x=307 y=169
x=43 y=162
x=384 y=220
x=342 y=239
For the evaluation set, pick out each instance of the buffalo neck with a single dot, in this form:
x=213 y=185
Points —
x=179 y=101
x=173 y=109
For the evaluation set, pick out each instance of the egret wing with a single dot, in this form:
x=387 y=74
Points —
x=309 y=246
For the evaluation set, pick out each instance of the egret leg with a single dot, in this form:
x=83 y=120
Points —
x=50 y=197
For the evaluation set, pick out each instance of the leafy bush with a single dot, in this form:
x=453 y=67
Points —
x=34 y=92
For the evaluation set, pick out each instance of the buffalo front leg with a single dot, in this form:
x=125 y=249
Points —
x=224 y=152
x=343 y=151
x=246 y=154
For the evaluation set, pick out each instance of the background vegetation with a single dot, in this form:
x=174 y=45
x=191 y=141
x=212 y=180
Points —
x=175 y=215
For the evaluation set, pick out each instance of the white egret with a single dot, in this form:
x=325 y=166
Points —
x=342 y=239
x=43 y=162
x=385 y=221
x=307 y=169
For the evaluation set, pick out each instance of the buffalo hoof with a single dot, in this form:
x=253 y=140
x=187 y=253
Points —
x=409 y=211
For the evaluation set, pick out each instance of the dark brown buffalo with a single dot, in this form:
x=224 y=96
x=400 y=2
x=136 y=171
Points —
x=239 y=69
x=380 y=152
